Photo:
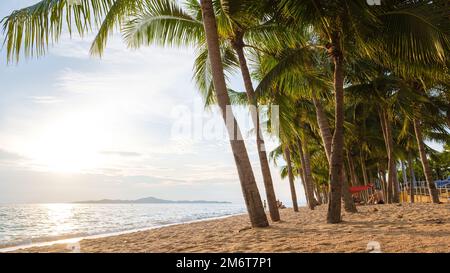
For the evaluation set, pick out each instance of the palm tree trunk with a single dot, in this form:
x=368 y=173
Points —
x=337 y=146
x=392 y=190
x=318 y=195
x=325 y=133
x=260 y=146
x=392 y=162
x=426 y=166
x=351 y=166
x=324 y=126
x=302 y=179
x=364 y=169
x=250 y=190
x=349 y=205
x=287 y=154
x=309 y=177
x=383 y=182
x=306 y=174
x=325 y=194
x=412 y=177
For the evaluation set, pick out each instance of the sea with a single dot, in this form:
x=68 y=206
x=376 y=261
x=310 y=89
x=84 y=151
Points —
x=34 y=224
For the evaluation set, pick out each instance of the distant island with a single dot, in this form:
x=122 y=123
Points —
x=149 y=200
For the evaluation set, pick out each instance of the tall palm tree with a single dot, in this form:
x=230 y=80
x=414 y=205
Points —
x=236 y=26
x=438 y=119
x=286 y=171
x=384 y=89
x=32 y=29
x=302 y=71
x=398 y=107
x=249 y=188
x=287 y=155
x=343 y=25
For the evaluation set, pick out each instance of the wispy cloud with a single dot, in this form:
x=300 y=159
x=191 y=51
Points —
x=9 y=156
x=120 y=153
x=13 y=160
x=45 y=99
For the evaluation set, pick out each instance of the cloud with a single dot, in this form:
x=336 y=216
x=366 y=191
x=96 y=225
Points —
x=13 y=160
x=8 y=156
x=45 y=99
x=121 y=153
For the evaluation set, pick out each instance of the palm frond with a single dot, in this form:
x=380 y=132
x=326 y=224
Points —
x=165 y=23
x=30 y=31
x=203 y=73
x=118 y=12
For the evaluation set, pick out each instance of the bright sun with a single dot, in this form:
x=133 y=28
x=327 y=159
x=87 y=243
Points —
x=70 y=144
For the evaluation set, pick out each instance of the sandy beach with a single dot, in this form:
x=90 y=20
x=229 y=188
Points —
x=397 y=228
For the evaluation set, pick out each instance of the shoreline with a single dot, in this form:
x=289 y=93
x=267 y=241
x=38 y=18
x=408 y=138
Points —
x=396 y=228
x=76 y=239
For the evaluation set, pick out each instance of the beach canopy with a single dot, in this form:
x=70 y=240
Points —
x=442 y=183
x=357 y=189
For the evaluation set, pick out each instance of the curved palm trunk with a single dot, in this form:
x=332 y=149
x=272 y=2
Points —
x=426 y=166
x=267 y=177
x=287 y=154
x=302 y=179
x=324 y=126
x=318 y=195
x=325 y=134
x=337 y=146
x=250 y=191
x=412 y=177
x=306 y=174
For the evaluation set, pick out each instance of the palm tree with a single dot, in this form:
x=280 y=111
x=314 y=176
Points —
x=248 y=183
x=166 y=23
x=397 y=108
x=302 y=71
x=286 y=171
x=341 y=25
x=30 y=30
x=423 y=158
x=383 y=89
x=287 y=155
x=438 y=119
x=412 y=178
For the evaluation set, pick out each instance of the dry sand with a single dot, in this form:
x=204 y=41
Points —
x=397 y=228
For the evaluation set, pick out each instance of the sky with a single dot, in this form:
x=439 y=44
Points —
x=75 y=127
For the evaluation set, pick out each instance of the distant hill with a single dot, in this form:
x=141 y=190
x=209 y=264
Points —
x=149 y=200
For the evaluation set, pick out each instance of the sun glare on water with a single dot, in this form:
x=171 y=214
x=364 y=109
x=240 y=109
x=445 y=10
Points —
x=60 y=216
